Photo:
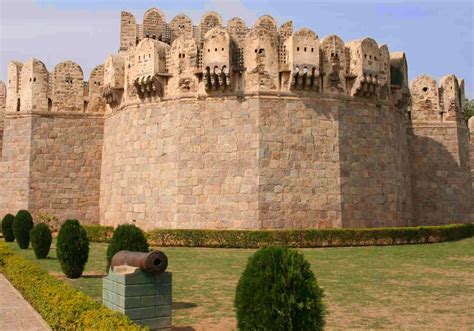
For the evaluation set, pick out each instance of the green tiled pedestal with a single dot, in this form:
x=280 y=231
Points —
x=145 y=298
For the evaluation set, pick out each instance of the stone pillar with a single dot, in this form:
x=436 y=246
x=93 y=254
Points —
x=145 y=298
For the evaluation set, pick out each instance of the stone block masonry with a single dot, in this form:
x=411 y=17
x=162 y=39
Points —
x=229 y=126
x=52 y=164
x=145 y=298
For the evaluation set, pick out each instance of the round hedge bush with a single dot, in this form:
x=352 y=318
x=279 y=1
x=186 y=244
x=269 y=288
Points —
x=41 y=240
x=126 y=237
x=278 y=291
x=72 y=248
x=22 y=224
x=7 y=228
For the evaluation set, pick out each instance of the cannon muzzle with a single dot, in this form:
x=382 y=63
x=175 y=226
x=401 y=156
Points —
x=154 y=261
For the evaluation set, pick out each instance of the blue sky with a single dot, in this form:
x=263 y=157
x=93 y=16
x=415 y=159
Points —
x=437 y=36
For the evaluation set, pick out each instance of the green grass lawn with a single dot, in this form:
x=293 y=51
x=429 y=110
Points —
x=392 y=287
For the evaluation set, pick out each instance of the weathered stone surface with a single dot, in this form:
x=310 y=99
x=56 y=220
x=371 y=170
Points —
x=228 y=127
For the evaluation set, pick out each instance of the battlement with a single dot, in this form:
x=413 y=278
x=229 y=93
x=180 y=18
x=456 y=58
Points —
x=32 y=88
x=433 y=102
x=159 y=61
x=220 y=125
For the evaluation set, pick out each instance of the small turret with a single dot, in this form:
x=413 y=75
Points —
x=333 y=64
x=217 y=59
x=364 y=67
x=425 y=99
x=302 y=53
x=114 y=79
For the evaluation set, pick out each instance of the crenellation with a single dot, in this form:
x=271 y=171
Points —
x=34 y=87
x=209 y=21
x=302 y=58
x=95 y=102
x=217 y=59
x=13 y=102
x=261 y=60
x=114 y=80
x=128 y=31
x=183 y=61
x=3 y=97
x=214 y=126
x=68 y=90
x=450 y=102
x=425 y=99
x=365 y=59
x=181 y=26
x=399 y=87
x=154 y=25
x=333 y=65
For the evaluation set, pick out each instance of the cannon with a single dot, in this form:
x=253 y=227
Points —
x=155 y=261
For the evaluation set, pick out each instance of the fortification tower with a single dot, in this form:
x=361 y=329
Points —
x=228 y=126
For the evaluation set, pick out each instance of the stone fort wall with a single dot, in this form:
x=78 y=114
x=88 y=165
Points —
x=229 y=126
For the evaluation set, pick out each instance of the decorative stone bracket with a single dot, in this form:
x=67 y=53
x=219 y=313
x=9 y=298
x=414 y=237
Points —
x=149 y=86
x=216 y=78
x=366 y=85
x=305 y=77
x=112 y=95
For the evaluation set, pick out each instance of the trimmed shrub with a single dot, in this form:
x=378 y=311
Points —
x=309 y=238
x=61 y=306
x=278 y=291
x=7 y=228
x=41 y=240
x=22 y=224
x=126 y=237
x=72 y=248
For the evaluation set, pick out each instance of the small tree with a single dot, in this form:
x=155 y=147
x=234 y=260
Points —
x=22 y=224
x=7 y=228
x=468 y=109
x=278 y=291
x=126 y=237
x=41 y=240
x=72 y=248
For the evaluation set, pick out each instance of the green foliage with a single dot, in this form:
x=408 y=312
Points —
x=41 y=240
x=7 y=228
x=278 y=291
x=63 y=307
x=99 y=233
x=51 y=221
x=469 y=109
x=126 y=237
x=310 y=237
x=72 y=248
x=22 y=224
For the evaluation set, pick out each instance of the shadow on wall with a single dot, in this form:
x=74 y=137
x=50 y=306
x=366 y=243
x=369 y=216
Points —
x=374 y=173
x=441 y=186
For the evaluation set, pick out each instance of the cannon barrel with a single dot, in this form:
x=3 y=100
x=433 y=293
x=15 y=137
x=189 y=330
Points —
x=154 y=261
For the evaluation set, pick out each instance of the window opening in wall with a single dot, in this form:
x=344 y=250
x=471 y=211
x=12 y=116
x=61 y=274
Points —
x=17 y=104
x=50 y=104
x=425 y=89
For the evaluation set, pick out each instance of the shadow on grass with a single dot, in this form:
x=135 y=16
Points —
x=183 y=305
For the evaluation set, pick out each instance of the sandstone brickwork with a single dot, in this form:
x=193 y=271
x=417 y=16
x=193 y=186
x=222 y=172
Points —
x=236 y=126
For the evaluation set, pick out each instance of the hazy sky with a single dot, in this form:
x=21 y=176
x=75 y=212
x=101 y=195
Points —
x=437 y=36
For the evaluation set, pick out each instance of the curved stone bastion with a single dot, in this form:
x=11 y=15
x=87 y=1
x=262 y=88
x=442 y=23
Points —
x=229 y=126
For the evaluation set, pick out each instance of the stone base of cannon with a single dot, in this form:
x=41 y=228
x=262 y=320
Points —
x=144 y=297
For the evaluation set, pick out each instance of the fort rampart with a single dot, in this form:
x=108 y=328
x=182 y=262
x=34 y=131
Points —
x=229 y=126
